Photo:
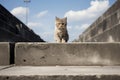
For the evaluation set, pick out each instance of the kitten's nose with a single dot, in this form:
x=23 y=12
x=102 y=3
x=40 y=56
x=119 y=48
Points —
x=61 y=25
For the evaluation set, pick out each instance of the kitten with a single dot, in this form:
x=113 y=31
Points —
x=61 y=33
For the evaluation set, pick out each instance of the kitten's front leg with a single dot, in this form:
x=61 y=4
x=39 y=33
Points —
x=63 y=41
x=57 y=39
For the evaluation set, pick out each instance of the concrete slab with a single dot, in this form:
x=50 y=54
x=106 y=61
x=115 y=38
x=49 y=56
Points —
x=61 y=73
x=5 y=67
x=61 y=70
x=68 y=54
x=4 y=53
x=1 y=67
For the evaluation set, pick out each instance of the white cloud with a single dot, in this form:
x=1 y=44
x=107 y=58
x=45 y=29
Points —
x=41 y=14
x=97 y=7
x=69 y=27
x=82 y=19
x=84 y=26
x=48 y=36
x=34 y=24
x=19 y=11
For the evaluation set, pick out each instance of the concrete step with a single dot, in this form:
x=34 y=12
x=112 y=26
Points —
x=2 y=67
x=61 y=73
x=4 y=53
x=68 y=54
x=5 y=67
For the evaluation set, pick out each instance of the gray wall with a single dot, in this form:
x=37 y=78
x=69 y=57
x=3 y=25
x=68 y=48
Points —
x=106 y=28
x=70 y=54
x=52 y=54
x=4 y=54
x=13 y=30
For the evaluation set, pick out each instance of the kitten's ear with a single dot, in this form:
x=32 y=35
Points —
x=65 y=18
x=57 y=18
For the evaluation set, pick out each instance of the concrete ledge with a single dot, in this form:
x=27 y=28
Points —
x=69 y=54
x=5 y=67
x=61 y=73
x=2 y=67
x=4 y=53
x=63 y=77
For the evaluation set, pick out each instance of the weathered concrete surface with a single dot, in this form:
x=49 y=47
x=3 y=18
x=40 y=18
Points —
x=61 y=73
x=69 y=54
x=105 y=28
x=61 y=77
x=4 y=53
x=2 y=67
x=5 y=67
x=112 y=35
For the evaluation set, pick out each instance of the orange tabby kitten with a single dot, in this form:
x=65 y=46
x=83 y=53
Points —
x=61 y=33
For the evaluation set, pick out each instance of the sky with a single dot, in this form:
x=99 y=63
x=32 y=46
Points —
x=41 y=14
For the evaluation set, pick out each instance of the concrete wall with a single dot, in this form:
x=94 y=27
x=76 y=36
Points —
x=4 y=53
x=13 y=30
x=105 y=28
x=52 y=54
x=72 y=54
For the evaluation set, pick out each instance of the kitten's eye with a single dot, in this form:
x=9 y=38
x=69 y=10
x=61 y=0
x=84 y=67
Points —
x=62 y=23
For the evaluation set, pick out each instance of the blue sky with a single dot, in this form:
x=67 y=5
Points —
x=41 y=14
